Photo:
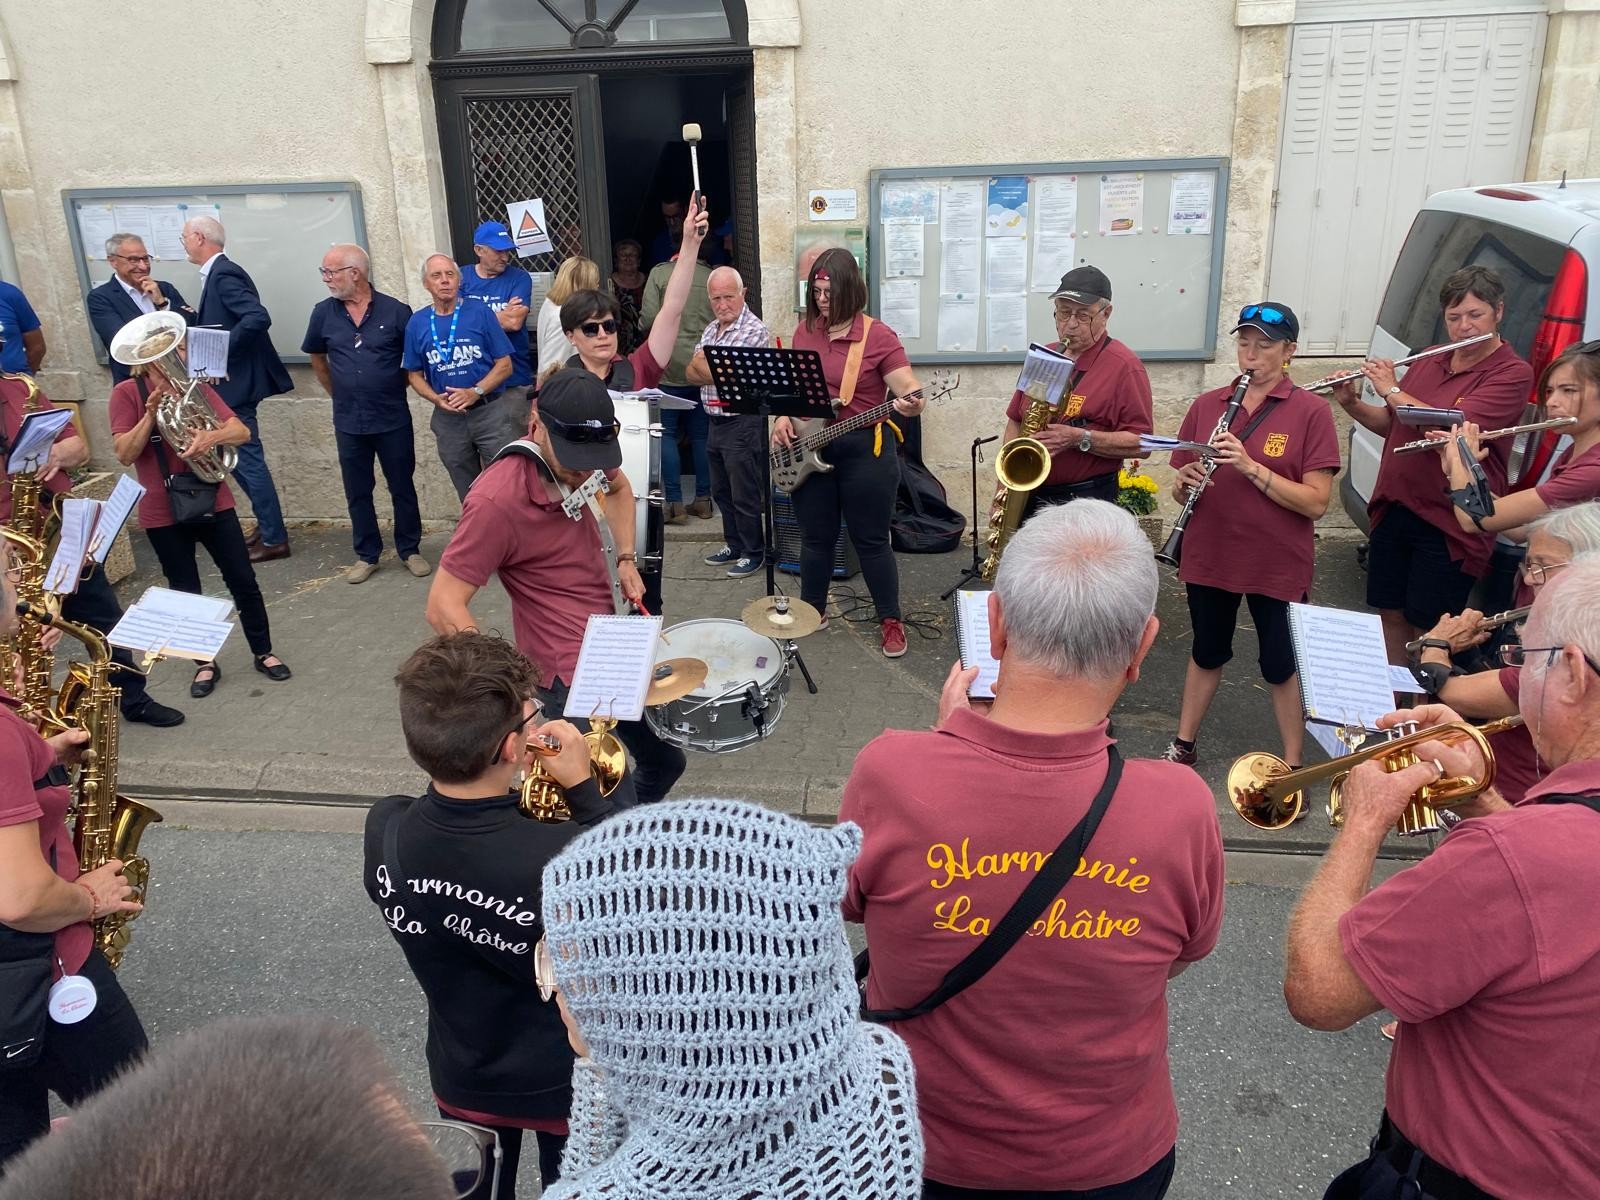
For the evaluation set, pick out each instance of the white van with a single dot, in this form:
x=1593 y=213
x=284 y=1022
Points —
x=1543 y=239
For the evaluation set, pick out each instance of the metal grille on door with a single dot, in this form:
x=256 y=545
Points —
x=527 y=148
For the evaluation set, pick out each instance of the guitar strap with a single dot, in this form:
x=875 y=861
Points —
x=852 y=365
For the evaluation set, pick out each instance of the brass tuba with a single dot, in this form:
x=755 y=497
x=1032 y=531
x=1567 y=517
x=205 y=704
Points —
x=544 y=799
x=1021 y=466
x=107 y=825
x=1267 y=794
x=155 y=338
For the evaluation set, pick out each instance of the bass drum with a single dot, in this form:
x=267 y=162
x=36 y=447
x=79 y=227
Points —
x=641 y=463
x=742 y=699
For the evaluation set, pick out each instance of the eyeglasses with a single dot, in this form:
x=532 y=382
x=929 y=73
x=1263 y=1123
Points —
x=1262 y=312
x=1517 y=656
x=544 y=970
x=583 y=431
x=134 y=258
x=538 y=711
x=470 y=1152
x=1071 y=316
x=329 y=274
x=595 y=328
x=1539 y=573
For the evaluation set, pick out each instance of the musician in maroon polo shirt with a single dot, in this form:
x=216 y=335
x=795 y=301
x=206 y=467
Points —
x=1487 y=950
x=1422 y=564
x=1108 y=398
x=553 y=568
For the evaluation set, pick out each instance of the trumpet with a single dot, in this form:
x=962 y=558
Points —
x=155 y=338
x=1268 y=795
x=1330 y=381
x=1488 y=436
x=543 y=799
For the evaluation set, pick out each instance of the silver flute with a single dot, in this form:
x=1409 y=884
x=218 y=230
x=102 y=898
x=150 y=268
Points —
x=1487 y=435
x=1328 y=381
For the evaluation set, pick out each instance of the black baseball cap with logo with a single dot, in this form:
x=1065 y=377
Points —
x=1083 y=285
x=1275 y=320
x=576 y=410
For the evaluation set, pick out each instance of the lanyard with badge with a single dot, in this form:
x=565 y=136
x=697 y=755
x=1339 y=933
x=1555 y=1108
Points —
x=446 y=352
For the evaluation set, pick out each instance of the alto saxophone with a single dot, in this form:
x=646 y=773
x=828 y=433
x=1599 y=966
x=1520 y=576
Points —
x=27 y=531
x=107 y=825
x=1021 y=466
x=544 y=799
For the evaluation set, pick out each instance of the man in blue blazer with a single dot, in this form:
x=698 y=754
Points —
x=229 y=300
x=129 y=293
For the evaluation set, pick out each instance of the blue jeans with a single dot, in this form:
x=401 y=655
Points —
x=697 y=422
x=255 y=477
x=395 y=450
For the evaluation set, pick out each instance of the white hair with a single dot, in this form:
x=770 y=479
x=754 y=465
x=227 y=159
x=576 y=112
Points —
x=116 y=241
x=1077 y=586
x=209 y=228
x=353 y=256
x=1566 y=614
x=430 y=258
x=1577 y=525
x=738 y=279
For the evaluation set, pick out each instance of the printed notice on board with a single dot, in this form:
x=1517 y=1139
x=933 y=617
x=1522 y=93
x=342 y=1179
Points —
x=1121 y=203
x=1192 y=203
x=96 y=224
x=832 y=204
x=961 y=211
x=1006 y=318
x=1006 y=269
x=958 y=269
x=910 y=200
x=958 y=323
x=902 y=248
x=1055 y=199
x=1007 y=213
x=900 y=306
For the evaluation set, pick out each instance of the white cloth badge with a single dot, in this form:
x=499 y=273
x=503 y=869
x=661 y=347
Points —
x=72 y=998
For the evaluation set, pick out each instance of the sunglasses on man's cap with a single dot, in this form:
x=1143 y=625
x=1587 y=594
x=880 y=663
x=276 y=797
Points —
x=583 y=431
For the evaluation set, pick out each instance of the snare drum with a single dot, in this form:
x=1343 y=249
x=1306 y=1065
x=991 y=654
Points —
x=742 y=698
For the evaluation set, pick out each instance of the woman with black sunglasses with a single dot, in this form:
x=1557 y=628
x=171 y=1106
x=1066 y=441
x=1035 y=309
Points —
x=1251 y=535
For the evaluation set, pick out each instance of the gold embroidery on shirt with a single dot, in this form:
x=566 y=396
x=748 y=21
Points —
x=1277 y=443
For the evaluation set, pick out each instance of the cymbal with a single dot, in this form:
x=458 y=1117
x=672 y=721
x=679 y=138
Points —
x=780 y=617
x=674 y=678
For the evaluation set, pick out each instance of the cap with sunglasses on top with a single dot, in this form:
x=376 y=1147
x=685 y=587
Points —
x=1083 y=285
x=1277 y=321
x=493 y=235
x=576 y=410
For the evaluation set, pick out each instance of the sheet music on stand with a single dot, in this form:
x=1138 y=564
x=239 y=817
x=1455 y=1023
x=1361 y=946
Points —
x=664 y=400
x=35 y=434
x=1344 y=671
x=614 y=668
x=207 y=353
x=1048 y=367
x=78 y=519
x=114 y=513
x=175 y=624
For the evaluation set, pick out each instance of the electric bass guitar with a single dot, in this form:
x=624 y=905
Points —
x=796 y=462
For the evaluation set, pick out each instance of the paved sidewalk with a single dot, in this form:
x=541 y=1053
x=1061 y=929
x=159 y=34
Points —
x=332 y=733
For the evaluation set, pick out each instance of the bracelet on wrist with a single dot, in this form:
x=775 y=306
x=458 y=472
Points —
x=94 y=903
x=626 y=558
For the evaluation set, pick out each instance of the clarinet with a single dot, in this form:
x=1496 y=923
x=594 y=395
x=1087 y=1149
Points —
x=1170 y=554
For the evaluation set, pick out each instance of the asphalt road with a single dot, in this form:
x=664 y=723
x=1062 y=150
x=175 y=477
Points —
x=253 y=913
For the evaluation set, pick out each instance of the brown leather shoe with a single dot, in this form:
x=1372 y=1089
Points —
x=701 y=507
x=261 y=552
x=673 y=514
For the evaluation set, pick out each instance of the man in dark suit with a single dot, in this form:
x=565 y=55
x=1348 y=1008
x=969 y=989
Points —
x=229 y=300
x=129 y=293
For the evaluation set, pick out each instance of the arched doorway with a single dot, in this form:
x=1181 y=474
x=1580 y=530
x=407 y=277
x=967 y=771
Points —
x=581 y=103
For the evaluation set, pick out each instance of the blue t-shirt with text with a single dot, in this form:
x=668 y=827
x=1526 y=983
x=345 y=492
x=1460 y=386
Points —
x=16 y=318
x=496 y=292
x=479 y=341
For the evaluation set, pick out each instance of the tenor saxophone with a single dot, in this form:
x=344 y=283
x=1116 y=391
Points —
x=1021 y=466
x=107 y=825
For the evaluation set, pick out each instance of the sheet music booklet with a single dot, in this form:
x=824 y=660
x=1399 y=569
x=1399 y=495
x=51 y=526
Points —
x=208 y=353
x=175 y=625
x=77 y=524
x=972 y=636
x=35 y=433
x=614 y=668
x=1344 y=671
x=1048 y=367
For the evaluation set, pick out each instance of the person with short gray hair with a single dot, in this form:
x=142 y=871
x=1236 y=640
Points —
x=131 y=292
x=1067 y=1031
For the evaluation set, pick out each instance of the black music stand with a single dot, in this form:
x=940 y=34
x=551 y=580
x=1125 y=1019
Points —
x=975 y=571
x=761 y=381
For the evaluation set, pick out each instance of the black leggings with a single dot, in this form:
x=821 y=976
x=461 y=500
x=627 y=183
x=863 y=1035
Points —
x=1214 y=612
x=78 y=1060
x=224 y=541
x=550 y=1147
x=861 y=489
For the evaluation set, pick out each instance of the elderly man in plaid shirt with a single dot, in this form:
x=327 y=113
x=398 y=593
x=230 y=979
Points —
x=736 y=441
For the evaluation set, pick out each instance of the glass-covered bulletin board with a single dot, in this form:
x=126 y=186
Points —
x=963 y=259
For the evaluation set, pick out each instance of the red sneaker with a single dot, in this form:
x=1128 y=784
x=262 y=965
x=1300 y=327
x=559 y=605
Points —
x=894 y=638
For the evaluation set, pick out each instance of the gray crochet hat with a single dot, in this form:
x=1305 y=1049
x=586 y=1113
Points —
x=700 y=948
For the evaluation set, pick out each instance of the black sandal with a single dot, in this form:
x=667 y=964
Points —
x=202 y=688
x=279 y=671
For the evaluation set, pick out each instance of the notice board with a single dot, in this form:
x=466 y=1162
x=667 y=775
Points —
x=276 y=231
x=962 y=260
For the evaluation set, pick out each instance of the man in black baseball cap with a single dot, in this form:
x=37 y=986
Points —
x=1107 y=404
x=1275 y=320
x=576 y=424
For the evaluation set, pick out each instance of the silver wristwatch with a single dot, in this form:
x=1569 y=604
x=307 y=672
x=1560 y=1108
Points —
x=1086 y=442
x=478 y=390
x=1394 y=391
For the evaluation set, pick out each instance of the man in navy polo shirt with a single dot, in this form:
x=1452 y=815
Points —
x=22 y=349
x=356 y=340
x=456 y=358
x=507 y=289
